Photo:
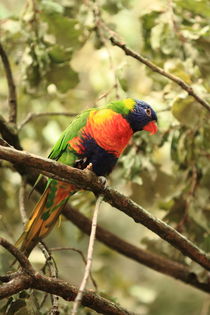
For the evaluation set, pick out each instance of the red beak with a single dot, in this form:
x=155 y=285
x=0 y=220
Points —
x=151 y=127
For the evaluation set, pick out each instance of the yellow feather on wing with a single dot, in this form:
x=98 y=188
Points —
x=31 y=232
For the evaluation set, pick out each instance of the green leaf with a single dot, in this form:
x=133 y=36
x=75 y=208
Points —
x=166 y=205
x=156 y=36
x=186 y=110
x=63 y=76
x=179 y=69
x=4 y=12
x=137 y=180
x=195 y=6
x=51 y=7
x=59 y=55
x=66 y=31
x=113 y=6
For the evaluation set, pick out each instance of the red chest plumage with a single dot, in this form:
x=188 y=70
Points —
x=109 y=129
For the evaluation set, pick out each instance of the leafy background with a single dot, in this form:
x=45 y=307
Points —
x=62 y=61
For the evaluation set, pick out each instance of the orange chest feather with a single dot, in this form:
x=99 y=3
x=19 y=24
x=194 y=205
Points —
x=109 y=129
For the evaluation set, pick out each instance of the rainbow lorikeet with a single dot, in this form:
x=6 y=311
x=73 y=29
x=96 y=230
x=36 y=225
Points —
x=97 y=136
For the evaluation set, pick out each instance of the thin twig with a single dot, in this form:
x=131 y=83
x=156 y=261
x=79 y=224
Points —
x=12 y=100
x=22 y=197
x=56 y=249
x=105 y=94
x=53 y=271
x=43 y=300
x=32 y=116
x=153 y=67
x=78 y=298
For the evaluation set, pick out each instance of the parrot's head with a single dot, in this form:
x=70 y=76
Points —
x=141 y=116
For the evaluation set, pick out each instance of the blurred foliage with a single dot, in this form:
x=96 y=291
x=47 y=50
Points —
x=61 y=63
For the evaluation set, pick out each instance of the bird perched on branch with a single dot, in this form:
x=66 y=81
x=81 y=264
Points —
x=97 y=136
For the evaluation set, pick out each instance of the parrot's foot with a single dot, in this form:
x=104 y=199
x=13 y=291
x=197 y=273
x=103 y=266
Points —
x=89 y=167
x=102 y=180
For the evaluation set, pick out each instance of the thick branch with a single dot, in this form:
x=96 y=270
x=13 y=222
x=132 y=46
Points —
x=87 y=180
x=62 y=289
x=68 y=292
x=151 y=260
x=28 y=278
x=20 y=282
x=159 y=70
x=11 y=86
x=87 y=272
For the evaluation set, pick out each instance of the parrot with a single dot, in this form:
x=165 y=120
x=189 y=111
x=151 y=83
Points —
x=96 y=137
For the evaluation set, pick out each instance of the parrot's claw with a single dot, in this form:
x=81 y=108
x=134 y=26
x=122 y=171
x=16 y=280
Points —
x=102 y=180
x=89 y=167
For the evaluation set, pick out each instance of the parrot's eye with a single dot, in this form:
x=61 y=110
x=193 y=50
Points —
x=148 y=112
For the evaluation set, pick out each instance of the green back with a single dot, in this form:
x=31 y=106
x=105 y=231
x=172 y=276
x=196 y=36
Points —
x=59 y=151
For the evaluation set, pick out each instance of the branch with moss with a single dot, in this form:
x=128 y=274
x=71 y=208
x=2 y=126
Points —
x=89 y=181
x=29 y=278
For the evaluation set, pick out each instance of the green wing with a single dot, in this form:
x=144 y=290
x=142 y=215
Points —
x=59 y=150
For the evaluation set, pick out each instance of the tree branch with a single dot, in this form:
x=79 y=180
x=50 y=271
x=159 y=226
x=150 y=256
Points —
x=87 y=272
x=89 y=181
x=57 y=249
x=11 y=86
x=153 y=67
x=9 y=134
x=22 y=259
x=32 y=116
x=156 y=262
x=151 y=260
x=68 y=292
x=28 y=278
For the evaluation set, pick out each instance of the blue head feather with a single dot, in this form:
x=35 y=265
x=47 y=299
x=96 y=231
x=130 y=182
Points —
x=140 y=115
